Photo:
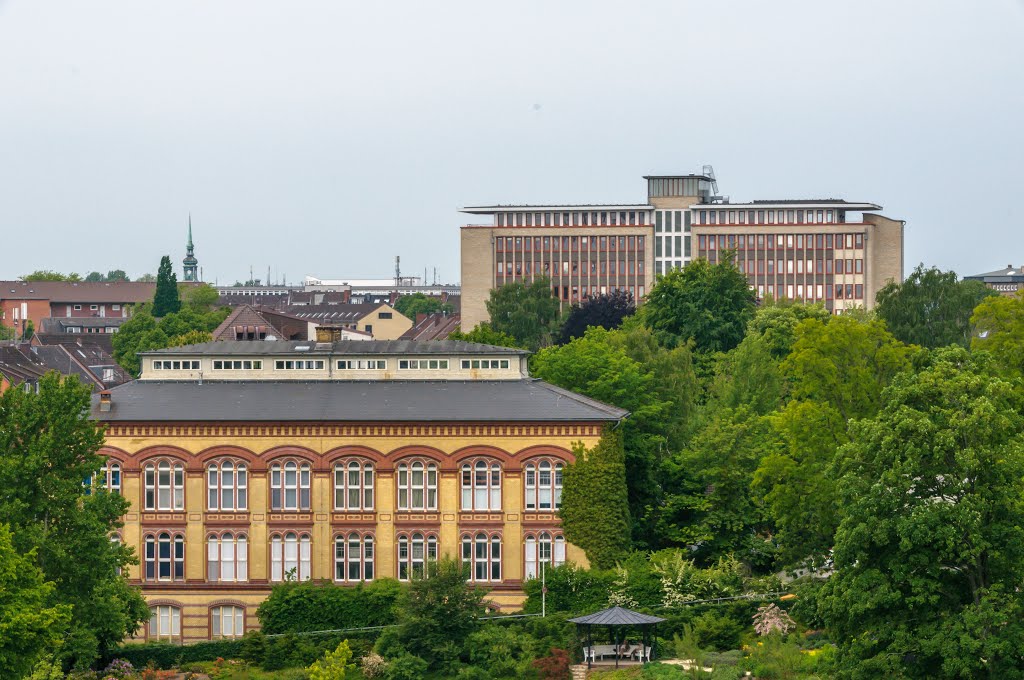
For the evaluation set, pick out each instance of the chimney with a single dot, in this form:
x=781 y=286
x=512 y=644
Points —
x=105 y=401
x=346 y=295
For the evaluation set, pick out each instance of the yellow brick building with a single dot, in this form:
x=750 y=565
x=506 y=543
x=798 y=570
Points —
x=387 y=455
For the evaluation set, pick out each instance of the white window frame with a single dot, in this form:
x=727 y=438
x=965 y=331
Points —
x=290 y=550
x=164 y=482
x=166 y=620
x=544 y=547
x=227 y=485
x=408 y=488
x=481 y=553
x=415 y=550
x=541 y=495
x=480 y=480
x=227 y=557
x=156 y=559
x=227 y=621
x=353 y=557
x=282 y=490
x=354 y=484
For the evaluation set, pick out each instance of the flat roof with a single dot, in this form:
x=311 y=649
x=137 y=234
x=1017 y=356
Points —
x=553 y=207
x=704 y=177
x=351 y=401
x=355 y=347
x=795 y=203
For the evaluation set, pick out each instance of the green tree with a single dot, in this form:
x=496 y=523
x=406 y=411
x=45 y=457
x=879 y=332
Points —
x=30 y=626
x=710 y=507
x=437 y=613
x=48 y=275
x=117 y=275
x=931 y=308
x=598 y=365
x=166 y=300
x=775 y=323
x=94 y=277
x=486 y=335
x=595 y=501
x=201 y=298
x=146 y=278
x=48 y=445
x=929 y=555
x=526 y=311
x=999 y=329
x=846 y=362
x=792 y=481
x=602 y=311
x=189 y=338
x=138 y=334
x=749 y=375
x=710 y=303
x=6 y=333
x=418 y=303
x=28 y=330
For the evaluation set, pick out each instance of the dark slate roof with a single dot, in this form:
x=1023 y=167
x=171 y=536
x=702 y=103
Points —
x=1010 y=274
x=617 y=616
x=353 y=401
x=360 y=347
x=244 y=316
x=60 y=324
x=436 y=326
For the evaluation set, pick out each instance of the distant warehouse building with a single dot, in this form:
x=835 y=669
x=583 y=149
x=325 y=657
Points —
x=836 y=252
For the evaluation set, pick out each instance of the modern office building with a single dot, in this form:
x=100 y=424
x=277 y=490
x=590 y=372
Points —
x=249 y=463
x=836 y=252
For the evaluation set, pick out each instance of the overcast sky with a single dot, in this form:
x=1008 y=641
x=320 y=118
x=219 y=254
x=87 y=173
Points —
x=325 y=138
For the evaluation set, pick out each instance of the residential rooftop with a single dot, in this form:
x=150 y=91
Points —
x=338 y=348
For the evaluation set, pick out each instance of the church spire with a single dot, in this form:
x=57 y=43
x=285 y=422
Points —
x=191 y=264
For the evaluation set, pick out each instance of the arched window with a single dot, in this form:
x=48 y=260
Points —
x=353 y=557
x=543 y=548
x=165 y=485
x=414 y=551
x=481 y=554
x=165 y=623
x=353 y=485
x=290 y=557
x=481 y=485
x=227 y=485
x=110 y=476
x=227 y=621
x=289 y=485
x=165 y=556
x=417 y=485
x=227 y=557
x=543 y=484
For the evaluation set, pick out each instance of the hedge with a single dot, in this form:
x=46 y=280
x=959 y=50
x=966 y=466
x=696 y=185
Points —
x=319 y=605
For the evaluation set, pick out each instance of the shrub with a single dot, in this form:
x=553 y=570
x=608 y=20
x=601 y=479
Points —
x=306 y=606
x=334 y=665
x=715 y=631
x=407 y=667
x=506 y=652
x=373 y=665
x=555 y=666
x=163 y=655
x=571 y=589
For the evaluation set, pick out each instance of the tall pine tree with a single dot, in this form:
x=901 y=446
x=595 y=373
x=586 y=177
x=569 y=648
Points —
x=166 y=300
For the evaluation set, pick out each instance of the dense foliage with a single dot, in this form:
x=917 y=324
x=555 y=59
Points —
x=48 y=446
x=111 y=276
x=418 y=303
x=606 y=311
x=297 y=607
x=486 y=335
x=931 y=308
x=595 y=510
x=528 y=312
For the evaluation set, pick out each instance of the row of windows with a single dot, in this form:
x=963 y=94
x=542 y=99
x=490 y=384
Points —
x=227 y=555
x=226 y=621
x=771 y=241
x=671 y=220
x=801 y=266
x=166 y=365
x=573 y=219
x=484 y=363
x=423 y=364
x=237 y=365
x=574 y=267
x=299 y=365
x=663 y=246
x=770 y=216
x=354 y=488
x=813 y=292
x=363 y=364
x=575 y=243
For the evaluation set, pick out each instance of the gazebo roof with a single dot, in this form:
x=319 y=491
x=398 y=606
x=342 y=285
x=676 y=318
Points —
x=616 y=616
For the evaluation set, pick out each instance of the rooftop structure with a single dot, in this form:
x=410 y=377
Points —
x=1007 y=281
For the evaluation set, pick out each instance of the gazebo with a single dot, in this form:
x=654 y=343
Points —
x=618 y=621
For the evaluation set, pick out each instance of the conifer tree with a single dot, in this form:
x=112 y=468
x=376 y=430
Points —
x=166 y=300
